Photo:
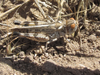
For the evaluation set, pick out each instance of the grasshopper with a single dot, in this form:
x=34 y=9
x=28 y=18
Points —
x=45 y=33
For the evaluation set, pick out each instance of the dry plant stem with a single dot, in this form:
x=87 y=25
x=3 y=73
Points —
x=80 y=5
x=41 y=10
x=85 y=13
x=60 y=8
x=10 y=10
x=43 y=3
x=2 y=2
x=20 y=6
x=77 y=17
x=68 y=7
x=8 y=57
x=7 y=12
x=9 y=47
x=13 y=40
x=49 y=3
x=80 y=41
x=51 y=18
x=76 y=12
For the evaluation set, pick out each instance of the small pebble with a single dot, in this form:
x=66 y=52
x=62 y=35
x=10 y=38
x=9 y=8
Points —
x=28 y=59
x=4 y=46
x=1 y=46
x=85 y=40
x=84 y=47
x=60 y=55
x=64 y=55
x=92 y=38
x=46 y=54
x=42 y=57
x=21 y=55
x=14 y=57
x=98 y=47
x=98 y=32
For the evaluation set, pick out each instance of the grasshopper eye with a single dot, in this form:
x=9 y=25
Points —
x=73 y=26
x=72 y=19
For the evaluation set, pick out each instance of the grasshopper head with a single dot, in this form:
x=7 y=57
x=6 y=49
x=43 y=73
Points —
x=71 y=25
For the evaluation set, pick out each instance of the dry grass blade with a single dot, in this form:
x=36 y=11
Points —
x=44 y=3
x=60 y=6
x=85 y=12
x=10 y=10
x=76 y=12
x=9 y=49
x=7 y=12
x=41 y=10
x=66 y=4
x=49 y=3
x=79 y=7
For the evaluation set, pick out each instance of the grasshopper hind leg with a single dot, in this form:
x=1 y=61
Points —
x=54 y=43
x=50 y=41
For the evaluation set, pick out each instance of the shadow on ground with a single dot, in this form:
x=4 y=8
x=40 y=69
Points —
x=48 y=68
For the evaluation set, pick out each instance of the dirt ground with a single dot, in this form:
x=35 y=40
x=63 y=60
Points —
x=71 y=60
